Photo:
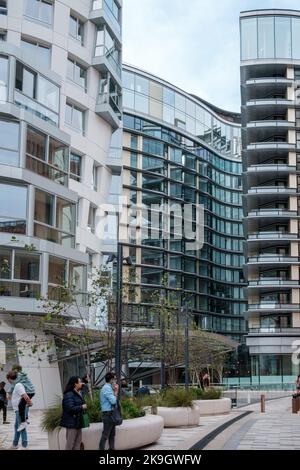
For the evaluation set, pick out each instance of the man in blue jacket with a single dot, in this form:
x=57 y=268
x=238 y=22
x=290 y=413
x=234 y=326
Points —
x=108 y=399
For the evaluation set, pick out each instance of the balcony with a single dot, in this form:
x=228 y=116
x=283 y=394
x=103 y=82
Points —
x=105 y=61
x=273 y=307
x=273 y=258
x=109 y=110
x=274 y=213
x=272 y=282
x=264 y=124
x=271 y=190
x=272 y=236
x=271 y=167
x=265 y=102
x=274 y=331
x=270 y=145
x=107 y=12
x=269 y=81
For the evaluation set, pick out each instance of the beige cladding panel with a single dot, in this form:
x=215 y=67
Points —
x=293 y=181
x=295 y=296
x=291 y=115
x=292 y=158
x=254 y=321
x=293 y=226
x=290 y=93
x=294 y=249
x=295 y=273
x=290 y=73
x=293 y=203
x=296 y=320
x=292 y=137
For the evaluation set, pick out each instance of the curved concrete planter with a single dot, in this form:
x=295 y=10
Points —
x=213 y=407
x=133 y=434
x=179 y=417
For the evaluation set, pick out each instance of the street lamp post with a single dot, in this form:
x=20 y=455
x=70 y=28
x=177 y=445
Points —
x=186 y=348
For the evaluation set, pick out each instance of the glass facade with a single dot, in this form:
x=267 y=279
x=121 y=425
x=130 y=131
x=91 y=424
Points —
x=158 y=101
x=167 y=167
x=270 y=37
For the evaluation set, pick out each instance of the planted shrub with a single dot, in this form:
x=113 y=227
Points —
x=51 y=417
x=175 y=398
x=210 y=393
x=131 y=409
x=94 y=408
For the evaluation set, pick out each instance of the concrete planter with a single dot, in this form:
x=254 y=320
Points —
x=213 y=407
x=133 y=434
x=179 y=417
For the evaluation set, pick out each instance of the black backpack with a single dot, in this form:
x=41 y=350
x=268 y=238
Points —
x=116 y=415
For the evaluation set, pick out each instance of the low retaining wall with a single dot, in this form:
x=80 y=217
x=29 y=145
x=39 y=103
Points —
x=179 y=417
x=132 y=434
x=213 y=407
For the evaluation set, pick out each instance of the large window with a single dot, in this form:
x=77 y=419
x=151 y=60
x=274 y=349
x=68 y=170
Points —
x=283 y=45
x=111 y=8
x=36 y=94
x=40 y=52
x=3 y=7
x=75 y=117
x=40 y=10
x=77 y=73
x=19 y=273
x=76 y=29
x=66 y=279
x=55 y=219
x=107 y=46
x=13 y=208
x=46 y=156
x=75 y=166
x=249 y=38
x=9 y=143
x=3 y=78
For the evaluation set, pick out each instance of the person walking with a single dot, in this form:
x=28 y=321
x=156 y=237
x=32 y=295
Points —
x=23 y=378
x=108 y=399
x=3 y=402
x=73 y=407
x=85 y=391
x=298 y=385
x=18 y=394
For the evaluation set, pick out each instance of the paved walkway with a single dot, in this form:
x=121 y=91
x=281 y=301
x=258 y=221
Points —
x=38 y=440
x=278 y=429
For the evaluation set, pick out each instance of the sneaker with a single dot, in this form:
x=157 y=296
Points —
x=27 y=421
x=12 y=447
x=23 y=448
x=6 y=422
x=22 y=427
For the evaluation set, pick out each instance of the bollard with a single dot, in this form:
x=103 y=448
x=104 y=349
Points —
x=262 y=403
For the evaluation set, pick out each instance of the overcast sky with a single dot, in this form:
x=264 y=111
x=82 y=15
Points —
x=194 y=44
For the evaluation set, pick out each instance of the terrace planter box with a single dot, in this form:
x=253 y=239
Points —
x=213 y=407
x=179 y=417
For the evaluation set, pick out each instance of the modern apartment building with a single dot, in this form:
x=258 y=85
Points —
x=270 y=74
x=60 y=103
x=178 y=149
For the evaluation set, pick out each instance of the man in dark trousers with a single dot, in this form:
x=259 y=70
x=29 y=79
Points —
x=108 y=399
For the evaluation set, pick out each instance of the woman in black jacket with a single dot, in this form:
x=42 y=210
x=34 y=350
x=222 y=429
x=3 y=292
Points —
x=73 y=406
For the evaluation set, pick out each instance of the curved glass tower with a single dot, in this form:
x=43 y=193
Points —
x=179 y=149
x=270 y=73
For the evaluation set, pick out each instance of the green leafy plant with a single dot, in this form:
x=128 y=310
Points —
x=94 y=408
x=51 y=417
x=131 y=409
x=175 y=398
x=210 y=393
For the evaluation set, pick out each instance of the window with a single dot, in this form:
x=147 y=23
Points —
x=75 y=117
x=266 y=37
x=2 y=34
x=76 y=29
x=9 y=143
x=57 y=271
x=55 y=219
x=283 y=37
x=13 y=208
x=47 y=156
x=3 y=7
x=107 y=46
x=77 y=73
x=40 y=52
x=94 y=184
x=40 y=10
x=19 y=273
x=75 y=166
x=249 y=38
x=36 y=94
x=92 y=219
x=296 y=38
x=3 y=78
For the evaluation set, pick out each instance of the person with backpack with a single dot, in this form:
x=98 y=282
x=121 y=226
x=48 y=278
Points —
x=73 y=409
x=108 y=400
x=23 y=379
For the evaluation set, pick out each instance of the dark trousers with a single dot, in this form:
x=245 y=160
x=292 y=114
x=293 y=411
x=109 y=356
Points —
x=22 y=407
x=109 y=432
x=3 y=407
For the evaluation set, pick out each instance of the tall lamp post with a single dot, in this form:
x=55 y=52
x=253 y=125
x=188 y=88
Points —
x=185 y=309
x=120 y=259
